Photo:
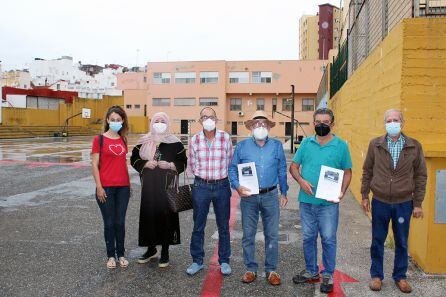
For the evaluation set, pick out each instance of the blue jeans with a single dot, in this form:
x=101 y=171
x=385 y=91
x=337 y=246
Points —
x=400 y=215
x=202 y=195
x=268 y=206
x=323 y=220
x=113 y=214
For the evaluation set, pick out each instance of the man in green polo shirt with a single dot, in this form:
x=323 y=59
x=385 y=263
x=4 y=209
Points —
x=319 y=216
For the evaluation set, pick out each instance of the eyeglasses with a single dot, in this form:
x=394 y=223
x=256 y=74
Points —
x=259 y=124
x=322 y=122
x=204 y=118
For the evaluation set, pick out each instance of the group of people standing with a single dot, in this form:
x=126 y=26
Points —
x=394 y=170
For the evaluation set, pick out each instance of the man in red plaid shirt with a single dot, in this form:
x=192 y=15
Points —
x=210 y=153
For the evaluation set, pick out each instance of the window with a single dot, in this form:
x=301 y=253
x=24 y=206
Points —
x=145 y=79
x=286 y=104
x=184 y=101
x=112 y=84
x=235 y=104
x=128 y=106
x=137 y=106
x=208 y=77
x=261 y=77
x=185 y=77
x=260 y=104
x=307 y=104
x=274 y=101
x=161 y=78
x=238 y=77
x=208 y=101
x=161 y=101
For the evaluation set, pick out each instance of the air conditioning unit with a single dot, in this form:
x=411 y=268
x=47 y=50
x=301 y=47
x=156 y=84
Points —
x=241 y=113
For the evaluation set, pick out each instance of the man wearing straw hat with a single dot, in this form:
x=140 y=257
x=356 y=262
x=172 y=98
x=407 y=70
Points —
x=270 y=165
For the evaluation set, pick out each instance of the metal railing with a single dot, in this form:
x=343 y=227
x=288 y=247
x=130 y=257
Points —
x=339 y=69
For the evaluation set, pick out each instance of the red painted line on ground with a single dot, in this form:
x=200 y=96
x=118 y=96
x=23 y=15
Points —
x=339 y=278
x=214 y=279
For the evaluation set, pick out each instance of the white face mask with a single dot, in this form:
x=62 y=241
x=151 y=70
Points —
x=209 y=125
x=260 y=133
x=160 y=128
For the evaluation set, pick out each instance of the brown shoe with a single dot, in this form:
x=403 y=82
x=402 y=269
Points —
x=249 y=277
x=375 y=284
x=403 y=285
x=273 y=278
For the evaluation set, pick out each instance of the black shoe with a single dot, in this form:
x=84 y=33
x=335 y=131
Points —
x=164 y=261
x=147 y=256
x=305 y=277
x=327 y=284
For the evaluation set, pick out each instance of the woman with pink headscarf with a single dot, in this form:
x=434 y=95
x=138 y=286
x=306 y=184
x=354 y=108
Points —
x=156 y=155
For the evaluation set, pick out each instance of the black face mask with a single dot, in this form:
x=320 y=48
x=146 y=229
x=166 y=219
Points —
x=322 y=129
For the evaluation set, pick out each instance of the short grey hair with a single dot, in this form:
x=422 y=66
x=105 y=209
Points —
x=386 y=114
x=324 y=111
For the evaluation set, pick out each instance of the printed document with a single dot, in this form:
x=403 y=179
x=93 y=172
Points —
x=329 y=184
x=247 y=175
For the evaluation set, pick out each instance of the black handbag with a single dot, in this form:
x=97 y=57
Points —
x=179 y=197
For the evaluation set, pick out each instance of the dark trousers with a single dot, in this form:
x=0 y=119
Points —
x=400 y=215
x=113 y=212
x=202 y=195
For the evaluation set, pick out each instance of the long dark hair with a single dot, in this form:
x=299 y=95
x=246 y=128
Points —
x=125 y=123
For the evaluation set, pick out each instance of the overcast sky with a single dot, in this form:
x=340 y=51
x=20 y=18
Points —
x=139 y=31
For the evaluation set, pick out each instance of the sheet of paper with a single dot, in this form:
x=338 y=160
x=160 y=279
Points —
x=247 y=175
x=329 y=184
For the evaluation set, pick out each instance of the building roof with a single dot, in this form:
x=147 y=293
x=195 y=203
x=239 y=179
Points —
x=68 y=96
x=328 y=4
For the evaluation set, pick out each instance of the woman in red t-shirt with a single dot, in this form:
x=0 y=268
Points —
x=108 y=157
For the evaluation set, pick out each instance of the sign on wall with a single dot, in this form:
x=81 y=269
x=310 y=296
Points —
x=86 y=113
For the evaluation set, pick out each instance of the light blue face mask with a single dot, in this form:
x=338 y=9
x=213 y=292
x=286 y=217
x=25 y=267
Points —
x=115 y=126
x=393 y=128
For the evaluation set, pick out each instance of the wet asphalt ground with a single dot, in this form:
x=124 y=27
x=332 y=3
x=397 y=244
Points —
x=51 y=238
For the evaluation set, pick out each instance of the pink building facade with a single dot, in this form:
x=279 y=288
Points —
x=235 y=89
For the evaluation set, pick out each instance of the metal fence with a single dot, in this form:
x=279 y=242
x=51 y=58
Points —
x=369 y=22
x=338 y=70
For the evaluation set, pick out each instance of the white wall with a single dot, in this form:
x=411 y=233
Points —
x=17 y=101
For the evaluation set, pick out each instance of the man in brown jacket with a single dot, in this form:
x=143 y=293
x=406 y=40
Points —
x=395 y=171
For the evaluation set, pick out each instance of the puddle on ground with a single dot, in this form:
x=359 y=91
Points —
x=51 y=150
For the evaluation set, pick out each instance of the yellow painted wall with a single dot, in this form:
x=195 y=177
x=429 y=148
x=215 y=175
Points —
x=406 y=71
x=30 y=117
x=423 y=93
x=138 y=124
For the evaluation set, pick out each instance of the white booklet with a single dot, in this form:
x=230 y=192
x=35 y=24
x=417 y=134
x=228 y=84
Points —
x=247 y=176
x=330 y=184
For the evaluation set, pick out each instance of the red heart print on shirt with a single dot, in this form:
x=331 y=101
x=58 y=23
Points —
x=116 y=149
